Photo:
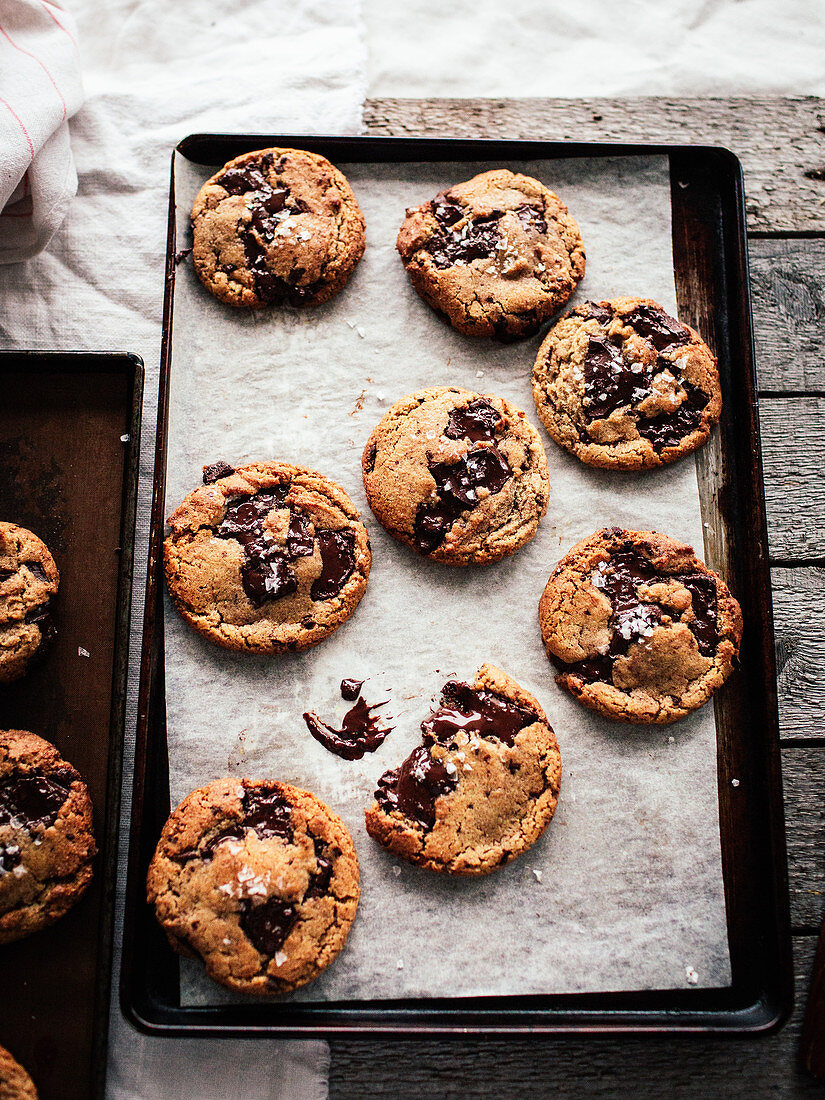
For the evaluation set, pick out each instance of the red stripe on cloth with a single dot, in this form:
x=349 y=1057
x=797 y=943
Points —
x=40 y=63
x=48 y=10
x=20 y=123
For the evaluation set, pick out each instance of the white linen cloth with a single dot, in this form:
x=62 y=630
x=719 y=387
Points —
x=40 y=90
x=155 y=71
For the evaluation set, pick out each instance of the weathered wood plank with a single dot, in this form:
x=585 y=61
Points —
x=781 y=142
x=572 y=1068
x=788 y=289
x=793 y=454
x=799 y=624
x=803 y=777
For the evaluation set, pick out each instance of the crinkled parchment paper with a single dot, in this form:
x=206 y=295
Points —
x=624 y=891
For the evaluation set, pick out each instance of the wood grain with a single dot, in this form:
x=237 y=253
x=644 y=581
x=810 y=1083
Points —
x=567 y=1069
x=781 y=142
x=803 y=775
x=793 y=454
x=788 y=290
x=799 y=623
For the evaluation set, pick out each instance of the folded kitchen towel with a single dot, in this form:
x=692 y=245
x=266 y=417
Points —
x=40 y=90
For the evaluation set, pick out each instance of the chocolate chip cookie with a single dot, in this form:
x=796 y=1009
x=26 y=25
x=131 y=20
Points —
x=15 y=1083
x=28 y=587
x=258 y=879
x=266 y=558
x=638 y=627
x=496 y=255
x=46 y=841
x=276 y=226
x=624 y=385
x=459 y=476
x=480 y=789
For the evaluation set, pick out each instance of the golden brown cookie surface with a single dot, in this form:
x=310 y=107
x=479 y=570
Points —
x=258 y=879
x=459 y=476
x=275 y=226
x=497 y=255
x=15 y=1083
x=46 y=841
x=28 y=587
x=623 y=385
x=639 y=628
x=480 y=789
x=266 y=558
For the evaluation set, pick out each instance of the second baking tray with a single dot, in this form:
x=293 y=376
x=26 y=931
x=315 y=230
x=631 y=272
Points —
x=710 y=259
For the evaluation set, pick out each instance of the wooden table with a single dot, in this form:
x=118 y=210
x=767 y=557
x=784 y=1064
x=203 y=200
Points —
x=781 y=143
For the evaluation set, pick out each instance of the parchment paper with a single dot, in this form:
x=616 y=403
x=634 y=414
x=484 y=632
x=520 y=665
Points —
x=624 y=891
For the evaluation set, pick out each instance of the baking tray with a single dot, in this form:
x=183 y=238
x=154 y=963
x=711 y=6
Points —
x=69 y=446
x=711 y=269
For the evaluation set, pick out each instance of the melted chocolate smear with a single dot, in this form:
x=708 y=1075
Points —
x=670 y=429
x=319 y=881
x=457 y=486
x=608 y=382
x=351 y=689
x=216 y=471
x=414 y=787
x=266 y=572
x=34 y=799
x=653 y=324
x=633 y=619
x=464 y=707
x=338 y=561
x=10 y=856
x=359 y=733
x=476 y=421
x=268 y=924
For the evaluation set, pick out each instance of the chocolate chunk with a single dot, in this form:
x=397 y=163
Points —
x=531 y=218
x=216 y=471
x=603 y=314
x=359 y=733
x=338 y=561
x=6 y=573
x=476 y=239
x=669 y=429
x=457 y=486
x=445 y=210
x=464 y=707
x=351 y=689
x=181 y=255
x=267 y=812
x=609 y=382
x=476 y=421
x=370 y=459
x=320 y=879
x=33 y=799
x=238 y=181
x=300 y=542
x=36 y=570
x=268 y=924
x=265 y=573
x=41 y=616
x=653 y=324
x=414 y=787
x=10 y=856
x=633 y=619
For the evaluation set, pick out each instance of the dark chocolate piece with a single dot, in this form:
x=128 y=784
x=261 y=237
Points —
x=704 y=601
x=609 y=382
x=413 y=788
x=320 y=879
x=473 y=710
x=268 y=924
x=351 y=689
x=267 y=812
x=338 y=561
x=216 y=471
x=531 y=217
x=476 y=421
x=181 y=256
x=477 y=238
x=300 y=542
x=36 y=570
x=603 y=314
x=265 y=573
x=41 y=616
x=669 y=429
x=359 y=733
x=6 y=573
x=33 y=799
x=653 y=324
x=370 y=460
x=457 y=486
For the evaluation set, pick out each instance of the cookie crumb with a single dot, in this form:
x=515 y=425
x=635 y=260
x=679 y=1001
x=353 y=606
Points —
x=691 y=975
x=538 y=874
x=361 y=332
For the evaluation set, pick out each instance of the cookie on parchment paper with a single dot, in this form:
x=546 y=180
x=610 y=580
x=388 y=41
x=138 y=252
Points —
x=638 y=627
x=497 y=255
x=258 y=879
x=276 y=226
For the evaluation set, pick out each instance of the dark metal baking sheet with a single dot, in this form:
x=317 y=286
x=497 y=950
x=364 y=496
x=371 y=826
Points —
x=711 y=268
x=68 y=475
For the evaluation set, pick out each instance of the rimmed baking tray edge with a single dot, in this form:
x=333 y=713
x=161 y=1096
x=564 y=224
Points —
x=760 y=998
